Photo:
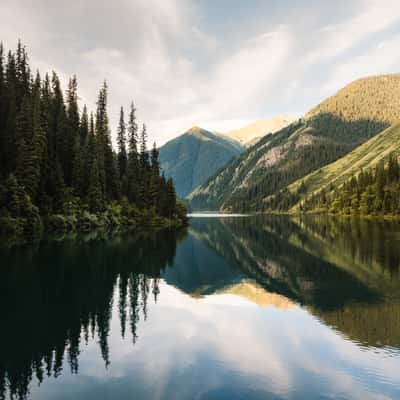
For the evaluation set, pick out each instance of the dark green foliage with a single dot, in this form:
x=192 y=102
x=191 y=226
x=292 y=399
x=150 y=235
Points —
x=58 y=164
x=132 y=174
x=375 y=191
x=17 y=213
x=121 y=140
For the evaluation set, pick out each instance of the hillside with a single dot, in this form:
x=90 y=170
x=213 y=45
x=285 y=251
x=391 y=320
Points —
x=193 y=157
x=331 y=130
x=251 y=134
x=364 y=157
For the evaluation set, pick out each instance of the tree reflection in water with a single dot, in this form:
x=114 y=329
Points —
x=57 y=294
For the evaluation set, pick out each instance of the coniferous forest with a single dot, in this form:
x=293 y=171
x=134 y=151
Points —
x=58 y=168
x=375 y=191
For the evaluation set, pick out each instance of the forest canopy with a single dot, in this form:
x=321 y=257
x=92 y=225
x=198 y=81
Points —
x=57 y=162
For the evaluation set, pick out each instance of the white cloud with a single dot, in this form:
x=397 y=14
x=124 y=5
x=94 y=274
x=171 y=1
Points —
x=180 y=72
x=380 y=59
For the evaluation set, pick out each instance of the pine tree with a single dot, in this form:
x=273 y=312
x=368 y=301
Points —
x=59 y=126
x=38 y=146
x=84 y=126
x=10 y=116
x=72 y=141
x=144 y=170
x=154 y=185
x=144 y=155
x=3 y=155
x=95 y=197
x=23 y=133
x=171 y=198
x=121 y=140
x=106 y=163
x=132 y=187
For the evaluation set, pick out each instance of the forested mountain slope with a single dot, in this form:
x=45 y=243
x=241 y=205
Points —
x=193 y=157
x=364 y=157
x=328 y=132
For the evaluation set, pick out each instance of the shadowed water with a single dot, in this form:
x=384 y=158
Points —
x=234 y=308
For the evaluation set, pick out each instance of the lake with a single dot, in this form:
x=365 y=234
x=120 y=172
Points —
x=232 y=308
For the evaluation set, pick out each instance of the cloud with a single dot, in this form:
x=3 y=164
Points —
x=381 y=58
x=193 y=63
x=374 y=17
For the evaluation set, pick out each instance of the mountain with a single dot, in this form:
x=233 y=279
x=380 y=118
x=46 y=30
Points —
x=364 y=157
x=251 y=134
x=329 y=131
x=193 y=157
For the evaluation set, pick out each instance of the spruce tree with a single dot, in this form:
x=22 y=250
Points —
x=84 y=126
x=144 y=169
x=106 y=162
x=38 y=147
x=121 y=141
x=72 y=141
x=10 y=116
x=95 y=197
x=3 y=155
x=154 y=184
x=59 y=126
x=132 y=187
x=23 y=133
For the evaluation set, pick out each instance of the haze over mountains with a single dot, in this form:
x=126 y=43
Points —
x=328 y=132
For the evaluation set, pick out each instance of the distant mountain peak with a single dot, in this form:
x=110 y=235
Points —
x=195 y=129
x=191 y=158
x=200 y=133
x=252 y=133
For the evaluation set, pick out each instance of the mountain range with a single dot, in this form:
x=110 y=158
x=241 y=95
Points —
x=196 y=155
x=328 y=132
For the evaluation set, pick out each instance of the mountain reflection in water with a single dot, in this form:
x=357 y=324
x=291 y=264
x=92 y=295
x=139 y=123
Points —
x=250 y=307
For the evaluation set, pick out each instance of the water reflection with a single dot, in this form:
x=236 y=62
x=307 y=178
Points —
x=345 y=271
x=57 y=293
x=239 y=308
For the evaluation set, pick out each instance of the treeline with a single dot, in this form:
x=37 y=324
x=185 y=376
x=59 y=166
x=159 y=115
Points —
x=375 y=191
x=57 y=162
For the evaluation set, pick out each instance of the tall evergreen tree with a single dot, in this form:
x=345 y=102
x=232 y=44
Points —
x=106 y=163
x=3 y=143
x=144 y=169
x=121 y=141
x=10 y=116
x=84 y=126
x=94 y=193
x=72 y=141
x=154 y=184
x=133 y=157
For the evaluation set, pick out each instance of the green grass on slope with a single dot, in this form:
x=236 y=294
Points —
x=364 y=156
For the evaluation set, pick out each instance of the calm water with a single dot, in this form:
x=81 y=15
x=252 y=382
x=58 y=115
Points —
x=234 y=308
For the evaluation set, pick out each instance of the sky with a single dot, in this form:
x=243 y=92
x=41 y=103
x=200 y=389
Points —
x=219 y=64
